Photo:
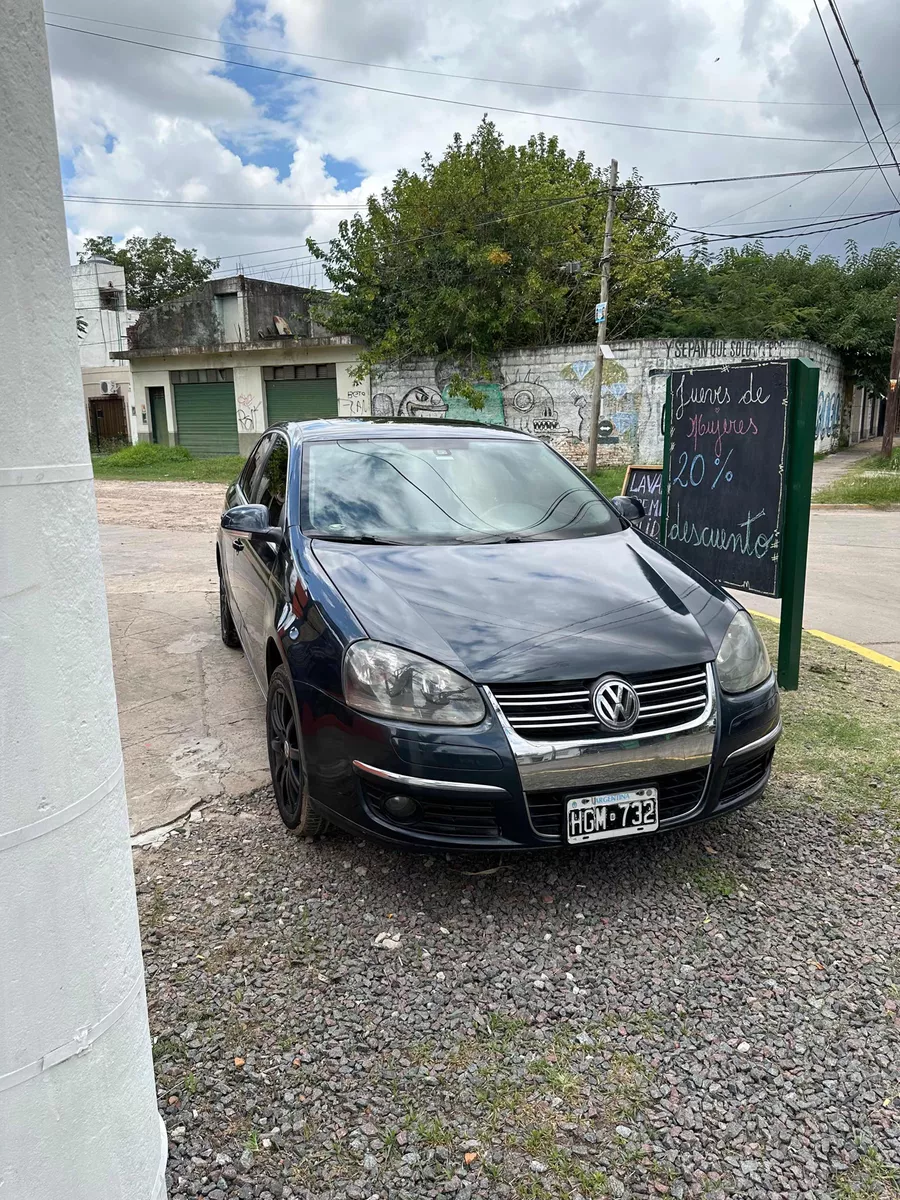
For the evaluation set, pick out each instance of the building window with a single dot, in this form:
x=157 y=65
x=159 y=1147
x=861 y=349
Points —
x=110 y=298
x=302 y=371
x=205 y=375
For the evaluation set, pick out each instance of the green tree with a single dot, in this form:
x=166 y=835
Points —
x=155 y=268
x=748 y=292
x=492 y=246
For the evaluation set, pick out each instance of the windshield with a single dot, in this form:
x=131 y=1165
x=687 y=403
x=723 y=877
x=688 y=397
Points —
x=426 y=490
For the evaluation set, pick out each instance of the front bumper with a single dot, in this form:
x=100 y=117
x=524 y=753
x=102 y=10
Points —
x=486 y=788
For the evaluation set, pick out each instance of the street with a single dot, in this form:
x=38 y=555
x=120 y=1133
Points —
x=190 y=713
x=852 y=578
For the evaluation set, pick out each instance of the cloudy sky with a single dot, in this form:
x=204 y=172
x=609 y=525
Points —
x=143 y=123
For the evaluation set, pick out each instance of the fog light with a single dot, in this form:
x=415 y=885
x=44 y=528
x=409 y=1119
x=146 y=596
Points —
x=401 y=808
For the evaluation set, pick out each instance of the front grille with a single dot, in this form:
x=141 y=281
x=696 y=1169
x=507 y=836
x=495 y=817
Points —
x=562 y=711
x=677 y=794
x=462 y=815
x=744 y=775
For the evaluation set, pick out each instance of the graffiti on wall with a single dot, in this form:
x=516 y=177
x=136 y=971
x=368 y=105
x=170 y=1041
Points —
x=828 y=415
x=246 y=411
x=550 y=405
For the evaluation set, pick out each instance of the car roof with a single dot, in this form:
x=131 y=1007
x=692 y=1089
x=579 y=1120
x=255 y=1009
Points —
x=345 y=428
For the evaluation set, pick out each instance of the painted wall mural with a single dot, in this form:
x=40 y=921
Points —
x=547 y=392
x=828 y=415
x=552 y=404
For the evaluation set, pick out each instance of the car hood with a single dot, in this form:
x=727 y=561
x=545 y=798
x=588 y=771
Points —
x=532 y=611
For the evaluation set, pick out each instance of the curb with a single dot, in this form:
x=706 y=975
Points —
x=872 y=655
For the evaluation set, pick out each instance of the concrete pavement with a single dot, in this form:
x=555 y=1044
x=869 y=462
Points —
x=853 y=567
x=852 y=578
x=190 y=713
x=833 y=466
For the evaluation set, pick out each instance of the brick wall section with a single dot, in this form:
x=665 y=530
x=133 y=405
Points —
x=547 y=391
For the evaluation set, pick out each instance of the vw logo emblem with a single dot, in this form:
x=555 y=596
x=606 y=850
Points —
x=616 y=704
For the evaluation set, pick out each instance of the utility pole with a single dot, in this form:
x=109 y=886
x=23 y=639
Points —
x=78 y=1113
x=603 y=322
x=893 y=395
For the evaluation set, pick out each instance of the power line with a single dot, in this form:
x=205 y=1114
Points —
x=213 y=204
x=522 y=112
x=800 y=229
x=261 y=206
x=859 y=119
x=352 y=62
x=832 y=4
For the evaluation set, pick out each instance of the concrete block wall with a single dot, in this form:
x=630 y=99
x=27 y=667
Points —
x=547 y=391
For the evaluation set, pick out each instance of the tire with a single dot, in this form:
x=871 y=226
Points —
x=286 y=764
x=226 y=621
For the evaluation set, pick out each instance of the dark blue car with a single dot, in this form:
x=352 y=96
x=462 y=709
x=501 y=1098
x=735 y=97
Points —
x=464 y=645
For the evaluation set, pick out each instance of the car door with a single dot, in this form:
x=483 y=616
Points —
x=259 y=560
x=238 y=571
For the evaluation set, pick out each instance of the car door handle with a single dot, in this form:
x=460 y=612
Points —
x=238 y=544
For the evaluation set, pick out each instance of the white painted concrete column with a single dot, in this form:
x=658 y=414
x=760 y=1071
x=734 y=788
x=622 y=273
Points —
x=354 y=399
x=250 y=399
x=78 y=1115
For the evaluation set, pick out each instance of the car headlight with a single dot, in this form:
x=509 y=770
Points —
x=388 y=682
x=742 y=661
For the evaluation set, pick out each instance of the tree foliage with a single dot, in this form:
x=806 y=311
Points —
x=155 y=269
x=850 y=305
x=493 y=246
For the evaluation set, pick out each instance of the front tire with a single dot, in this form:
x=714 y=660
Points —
x=286 y=758
x=226 y=621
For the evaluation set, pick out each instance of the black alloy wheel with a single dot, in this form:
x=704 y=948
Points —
x=286 y=758
x=226 y=621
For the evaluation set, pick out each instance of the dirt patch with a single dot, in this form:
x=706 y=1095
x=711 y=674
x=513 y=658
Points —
x=152 y=505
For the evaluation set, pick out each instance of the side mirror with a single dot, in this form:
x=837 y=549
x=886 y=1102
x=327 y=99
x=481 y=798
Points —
x=629 y=507
x=251 y=520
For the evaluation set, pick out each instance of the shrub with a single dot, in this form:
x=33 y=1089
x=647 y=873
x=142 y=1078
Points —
x=146 y=454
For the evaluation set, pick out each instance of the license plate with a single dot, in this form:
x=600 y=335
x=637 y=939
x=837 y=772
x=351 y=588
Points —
x=616 y=814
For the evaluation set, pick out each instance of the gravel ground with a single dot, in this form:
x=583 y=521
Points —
x=156 y=505
x=708 y=1013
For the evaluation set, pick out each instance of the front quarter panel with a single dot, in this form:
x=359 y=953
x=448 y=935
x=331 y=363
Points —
x=318 y=625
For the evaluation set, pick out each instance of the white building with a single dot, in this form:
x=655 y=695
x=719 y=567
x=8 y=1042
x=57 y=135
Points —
x=102 y=317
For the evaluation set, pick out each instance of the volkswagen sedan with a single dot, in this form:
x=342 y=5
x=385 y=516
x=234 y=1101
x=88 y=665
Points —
x=463 y=644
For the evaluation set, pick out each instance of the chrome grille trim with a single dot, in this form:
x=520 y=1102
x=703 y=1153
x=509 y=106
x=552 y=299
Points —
x=686 y=699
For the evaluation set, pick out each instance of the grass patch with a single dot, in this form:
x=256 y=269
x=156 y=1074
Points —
x=839 y=747
x=870 y=1178
x=874 y=480
x=609 y=480
x=145 y=461
x=714 y=882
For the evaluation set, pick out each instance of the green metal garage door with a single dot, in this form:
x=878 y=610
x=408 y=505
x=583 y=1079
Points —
x=206 y=417
x=302 y=399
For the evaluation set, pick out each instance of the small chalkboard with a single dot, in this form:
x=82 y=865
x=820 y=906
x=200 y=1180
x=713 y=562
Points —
x=726 y=452
x=645 y=484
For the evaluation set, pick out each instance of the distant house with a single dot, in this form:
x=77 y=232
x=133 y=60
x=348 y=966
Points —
x=216 y=366
x=102 y=318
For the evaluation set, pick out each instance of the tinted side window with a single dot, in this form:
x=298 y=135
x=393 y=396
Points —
x=271 y=484
x=251 y=466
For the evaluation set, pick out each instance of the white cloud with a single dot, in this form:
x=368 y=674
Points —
x=144 y=123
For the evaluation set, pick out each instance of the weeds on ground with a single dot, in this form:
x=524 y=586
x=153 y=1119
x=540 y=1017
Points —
x=609 y=480
x=147 y=461
x=870 y=1178
x=874 y=480
x=839 y=748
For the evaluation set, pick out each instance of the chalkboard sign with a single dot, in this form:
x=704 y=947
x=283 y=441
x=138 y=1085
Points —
x=726 y=452
x=645 y=484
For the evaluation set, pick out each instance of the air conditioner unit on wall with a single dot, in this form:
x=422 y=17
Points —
x=109 y=387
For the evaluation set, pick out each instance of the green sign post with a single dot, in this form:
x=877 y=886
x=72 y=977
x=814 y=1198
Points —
x=737 y=481
x=804 y=389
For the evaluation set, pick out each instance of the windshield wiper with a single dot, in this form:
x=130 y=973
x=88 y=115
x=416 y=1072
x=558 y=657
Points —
x=363 y=539
x=493 y=539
